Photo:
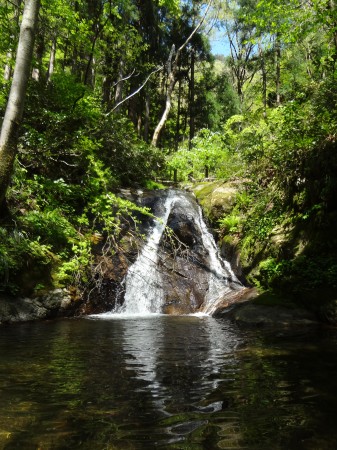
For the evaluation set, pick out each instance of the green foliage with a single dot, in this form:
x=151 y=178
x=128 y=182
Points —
x=171 y=5
x=230 y=223
x=270 y=270
x=3 y=98
x=300 y=275
x=209 y=153
x=151 y=185
x=71 y=158
x=67 y=134
x=75 y=270
x=51 y=230
x=20 y=253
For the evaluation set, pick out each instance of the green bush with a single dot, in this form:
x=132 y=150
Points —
x=230 y=223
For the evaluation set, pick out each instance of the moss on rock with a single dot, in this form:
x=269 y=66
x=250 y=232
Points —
x=217 y=198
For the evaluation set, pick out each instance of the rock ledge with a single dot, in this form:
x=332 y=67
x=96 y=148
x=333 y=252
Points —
x=56 y=303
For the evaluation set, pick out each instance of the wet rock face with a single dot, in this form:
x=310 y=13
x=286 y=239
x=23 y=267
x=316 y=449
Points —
x=262 y=316
x=185 y=284
x=184 y=263
x=186 y=232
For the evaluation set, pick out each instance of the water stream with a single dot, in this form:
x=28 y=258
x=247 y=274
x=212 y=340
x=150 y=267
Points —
x=144 y=292
x=143 y=285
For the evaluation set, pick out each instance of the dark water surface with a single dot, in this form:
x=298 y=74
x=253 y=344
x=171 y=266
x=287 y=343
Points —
x=166 y=382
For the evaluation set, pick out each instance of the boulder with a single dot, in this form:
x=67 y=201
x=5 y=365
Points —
x=56 y=303
x=255 y=315
x=217 y=198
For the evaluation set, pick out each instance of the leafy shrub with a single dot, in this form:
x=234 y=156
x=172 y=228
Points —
x=230 y=223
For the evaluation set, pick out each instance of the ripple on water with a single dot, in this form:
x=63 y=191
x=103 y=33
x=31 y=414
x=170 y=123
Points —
x=165 y=382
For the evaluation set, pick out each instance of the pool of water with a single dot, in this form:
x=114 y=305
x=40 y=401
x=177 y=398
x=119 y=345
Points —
x=166 y=382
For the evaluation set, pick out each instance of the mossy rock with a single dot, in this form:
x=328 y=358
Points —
x=216 y=198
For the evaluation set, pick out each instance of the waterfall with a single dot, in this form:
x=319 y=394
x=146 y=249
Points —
x=144 y=292
x=143 y=284
x=220 y=271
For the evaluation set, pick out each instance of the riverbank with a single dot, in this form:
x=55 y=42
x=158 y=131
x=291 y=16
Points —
x=274 y=248
x=57 y=303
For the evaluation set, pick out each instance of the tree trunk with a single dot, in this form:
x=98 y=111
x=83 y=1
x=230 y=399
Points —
x=168 y=104
x=8 y=67
x=107 y=82
x=178 y=117
x=264 y=80
x=119 y=85
x=192 y=108
x=37 y=72
x=15 y=105
x=147 y=117
x=52 y=57
x=278 y=69
x=89 y=74
x=132 y=108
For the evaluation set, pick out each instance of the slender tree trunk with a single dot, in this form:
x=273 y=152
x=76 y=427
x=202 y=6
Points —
x=52 y=58
x=37 y=72
x=264 y=80
x=89 y=74
x=308 y=58
x=132 y=108
x=15 y=105
x=65 y=56
x=8 y=67
x=178 y=117
x=119 y=86
x=278 y=69
x=107 y=82
x=167 y=110
x=139 y=125
x=147 y=117
x=192 y=106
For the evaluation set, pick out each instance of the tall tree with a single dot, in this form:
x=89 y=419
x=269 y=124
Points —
x=172 y=71
x=15 y=105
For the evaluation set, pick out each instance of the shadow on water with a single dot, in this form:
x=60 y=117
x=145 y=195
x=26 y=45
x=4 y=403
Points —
x=166 y=382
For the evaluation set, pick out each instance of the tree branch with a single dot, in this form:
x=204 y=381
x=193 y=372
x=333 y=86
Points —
x=181 y=48
x=135 y=92
x=124 y=79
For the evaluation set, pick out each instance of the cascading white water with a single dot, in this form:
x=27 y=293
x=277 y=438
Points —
x=220 y=271
x=143 y=283
x=143 y=286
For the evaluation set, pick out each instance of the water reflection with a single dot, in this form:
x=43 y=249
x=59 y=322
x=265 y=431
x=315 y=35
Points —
x=165 y=382
x=180 y=358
